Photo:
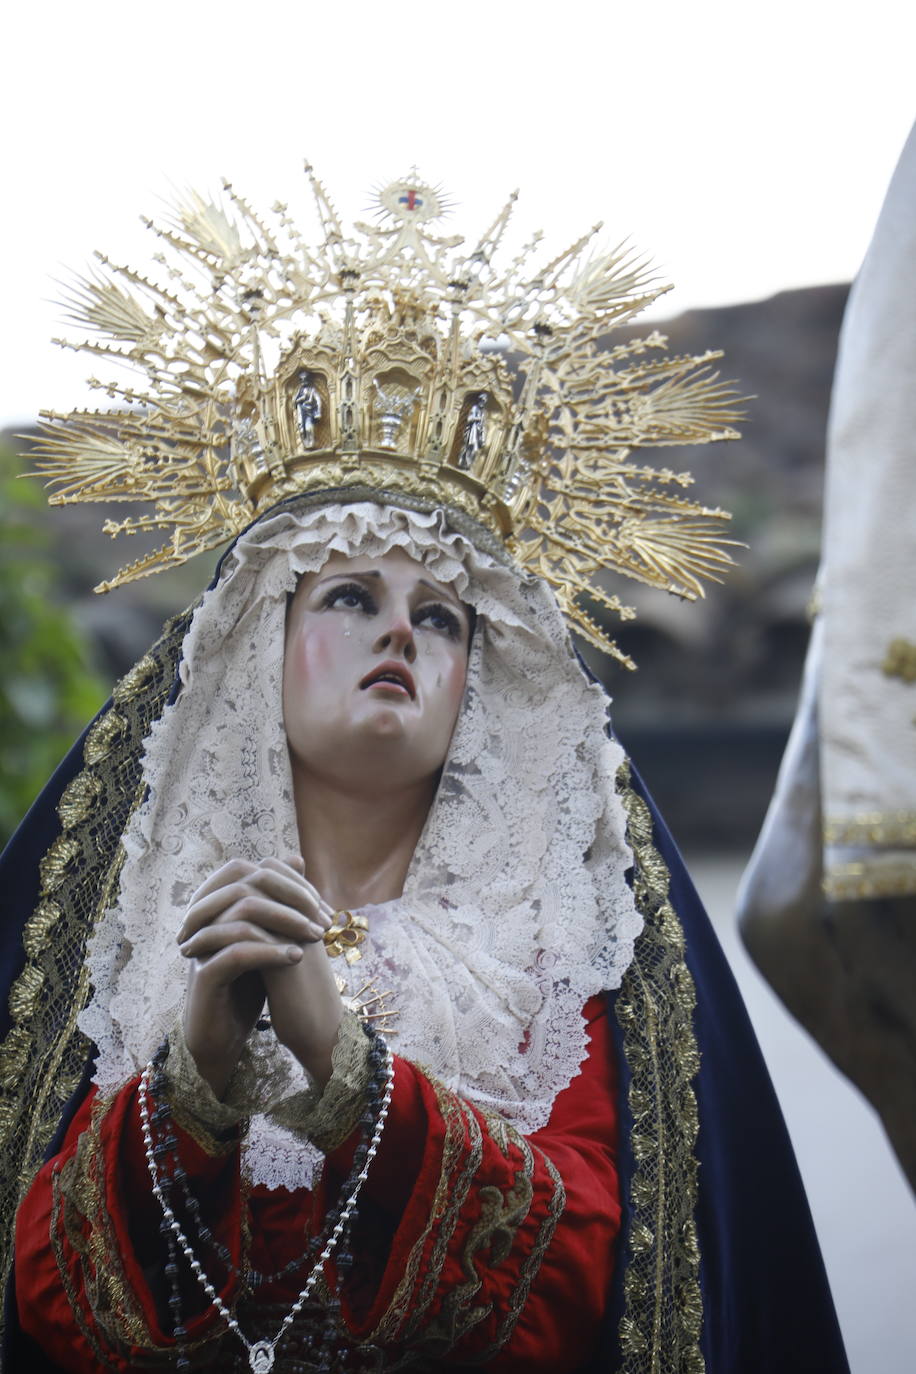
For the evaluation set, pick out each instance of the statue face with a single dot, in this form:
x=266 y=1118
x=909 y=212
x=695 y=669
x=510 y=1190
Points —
x=374 y=673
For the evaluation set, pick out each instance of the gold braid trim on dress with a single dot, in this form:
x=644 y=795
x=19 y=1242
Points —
x=494 y=1234
x=80 y=1187
x=43 y=1057
x=663 y=1309
x=408 y=1307
x=81 y=1211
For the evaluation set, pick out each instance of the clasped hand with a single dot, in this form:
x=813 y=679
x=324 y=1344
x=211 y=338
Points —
x=254 y=931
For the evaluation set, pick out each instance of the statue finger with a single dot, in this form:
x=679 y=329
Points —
x=208 y=907
x=286 y=885
x=281 y=921
x=239 y=957
x=234 y=871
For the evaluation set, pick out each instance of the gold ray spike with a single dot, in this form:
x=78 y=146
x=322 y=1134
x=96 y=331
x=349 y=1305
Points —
x=371 y=1005
x=394 y=358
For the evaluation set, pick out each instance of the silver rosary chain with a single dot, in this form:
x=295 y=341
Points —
x=261 y=1354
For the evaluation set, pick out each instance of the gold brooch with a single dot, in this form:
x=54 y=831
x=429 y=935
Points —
x=345 y=936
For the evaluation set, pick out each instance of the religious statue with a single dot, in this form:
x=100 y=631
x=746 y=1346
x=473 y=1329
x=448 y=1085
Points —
x=308 y=407
x=362 y=1015
x=475 y=432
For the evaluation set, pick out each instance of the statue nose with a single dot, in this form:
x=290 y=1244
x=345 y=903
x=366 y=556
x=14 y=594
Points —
x=399 y=639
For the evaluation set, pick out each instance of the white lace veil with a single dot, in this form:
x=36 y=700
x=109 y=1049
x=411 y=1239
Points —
x=515 y=909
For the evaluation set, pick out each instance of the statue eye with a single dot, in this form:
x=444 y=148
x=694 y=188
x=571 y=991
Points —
x=439 y=617
x=352 y=596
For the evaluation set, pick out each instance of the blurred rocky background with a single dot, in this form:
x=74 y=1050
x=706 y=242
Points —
x=706 y=714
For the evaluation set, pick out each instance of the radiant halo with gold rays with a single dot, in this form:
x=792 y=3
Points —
x=393 y=360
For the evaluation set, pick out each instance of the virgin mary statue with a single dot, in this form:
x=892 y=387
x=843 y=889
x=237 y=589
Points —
x=361 y=1014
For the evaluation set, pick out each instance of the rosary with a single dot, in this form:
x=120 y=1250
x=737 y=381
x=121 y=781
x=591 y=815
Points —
x=160 y=1146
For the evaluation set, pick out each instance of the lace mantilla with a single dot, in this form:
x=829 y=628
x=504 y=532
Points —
x=516 y=907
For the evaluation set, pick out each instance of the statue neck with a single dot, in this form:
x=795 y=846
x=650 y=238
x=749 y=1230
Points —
x=357 y=847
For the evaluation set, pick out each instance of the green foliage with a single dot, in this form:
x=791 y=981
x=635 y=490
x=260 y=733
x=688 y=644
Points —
x=48 y=692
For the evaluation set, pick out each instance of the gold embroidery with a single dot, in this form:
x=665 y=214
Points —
x=534 y=1258
x=447 y=1201
x=854 y=881
x=90 y=1235
x=900 y=660
x=102 y=738
x=56 y=864
x=25 y=992
x=78 y=799
x=39 y=928
x=457 y=1196
x=887 y=829
x=660 y=1329
x=501 y=1214
x=43 y=1055
x=13 y=1057
x=76 y=1240
x=136 y=680
x=116 y=1311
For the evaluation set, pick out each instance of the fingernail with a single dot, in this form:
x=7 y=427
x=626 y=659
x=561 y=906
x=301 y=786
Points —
x=293 y=953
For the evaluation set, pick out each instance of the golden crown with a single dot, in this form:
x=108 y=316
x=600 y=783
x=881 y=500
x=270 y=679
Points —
x=393 y=360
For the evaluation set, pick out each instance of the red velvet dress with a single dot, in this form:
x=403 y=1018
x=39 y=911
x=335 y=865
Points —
x=473 y=1242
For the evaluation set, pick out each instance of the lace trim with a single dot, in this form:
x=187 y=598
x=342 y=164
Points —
x=195 y=1106
x=663 y=1316
x=516 y=908
x=323 y=1117
x=327 y=1118
x=43 y=1057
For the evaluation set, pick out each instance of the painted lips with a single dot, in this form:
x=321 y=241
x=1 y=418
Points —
x=390 y=675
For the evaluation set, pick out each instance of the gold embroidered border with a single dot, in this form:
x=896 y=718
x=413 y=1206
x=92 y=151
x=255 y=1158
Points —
x=447 y=1202
x=449 y=1220
x=57 y=1208
x=890 y=829
x=505 y=1213
x=43 y=1056
x=660 y=1329
x=501 y=1214
x=854 y=881
x=532 y=1262
x=117 y=1313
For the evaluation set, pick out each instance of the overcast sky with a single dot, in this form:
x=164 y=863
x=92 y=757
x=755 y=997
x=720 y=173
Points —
x=746 y=148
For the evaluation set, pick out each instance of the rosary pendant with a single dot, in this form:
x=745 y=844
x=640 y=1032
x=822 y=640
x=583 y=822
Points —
x=261 y=1357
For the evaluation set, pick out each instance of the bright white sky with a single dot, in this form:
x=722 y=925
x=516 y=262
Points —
x=746 y=147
